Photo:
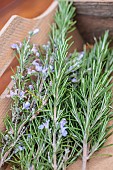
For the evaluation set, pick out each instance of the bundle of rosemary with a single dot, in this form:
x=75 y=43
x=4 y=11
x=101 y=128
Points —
x=61 y=101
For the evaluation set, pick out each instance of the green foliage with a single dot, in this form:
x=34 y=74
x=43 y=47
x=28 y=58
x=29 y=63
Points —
x=61 y=101
x=91 y=100
x=40 y=112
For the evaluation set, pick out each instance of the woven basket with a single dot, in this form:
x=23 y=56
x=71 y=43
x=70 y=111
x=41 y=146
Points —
x=15 y=30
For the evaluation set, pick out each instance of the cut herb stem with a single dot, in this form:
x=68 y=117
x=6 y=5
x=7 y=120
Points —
x=84 y=158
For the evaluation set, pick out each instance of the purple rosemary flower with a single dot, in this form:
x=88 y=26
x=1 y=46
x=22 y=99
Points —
x=38 y=68
x=12 y=93
x=63 y=128
x=64 y=131
x=63 y=122
x=15 y=46
x=34 y=50
x=44 y=70
x=37 y=54
x=21 y=148
x=41 y=126
x=21 y=95
x=35 y=31
x=44 y=125
x=26 y=105
x=35 y=63
x=31 y=87
x=20 y=44
x=29 y=71
x=73 y=80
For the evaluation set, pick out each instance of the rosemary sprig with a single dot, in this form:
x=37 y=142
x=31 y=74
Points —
x=61 y=102
x=91 y=100
x=41 y=88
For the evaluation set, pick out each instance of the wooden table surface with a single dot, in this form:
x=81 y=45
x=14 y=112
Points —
x=24 y=8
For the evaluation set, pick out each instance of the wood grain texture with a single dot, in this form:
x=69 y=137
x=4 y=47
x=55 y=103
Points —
x=94 y=18
x=22 y=8
x=99 y=9
x=90 y=27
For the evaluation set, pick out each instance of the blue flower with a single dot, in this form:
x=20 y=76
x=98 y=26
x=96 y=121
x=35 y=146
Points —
x=21 y=148
x=38 y=68
x=30 y=87
x=44 y=70
x=33 y=32
x=35 y=51
x=21 y=95
x=73 y=80
x=15 y=46
x=35 y=63
x=41 y=126
x=64 y=131
x=30 y=71
x=12 y=94
x=37 y=54
x=63 y=122
x=26 y=105
x=63 y=128
x=19 y=44
x=44 y=125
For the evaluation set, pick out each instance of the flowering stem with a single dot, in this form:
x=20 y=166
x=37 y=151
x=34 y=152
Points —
x=54 y=139
x=3 y=159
